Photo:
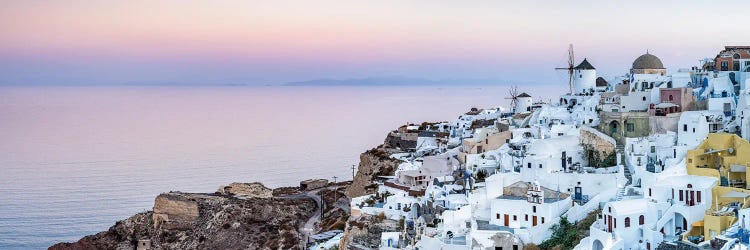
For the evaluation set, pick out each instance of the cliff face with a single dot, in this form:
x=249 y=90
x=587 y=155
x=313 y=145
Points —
x=251 y=216
x=365 y=231
x=209 y=221
x=372 y=163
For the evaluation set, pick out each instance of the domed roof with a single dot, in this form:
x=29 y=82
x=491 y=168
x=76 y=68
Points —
x=647 y=61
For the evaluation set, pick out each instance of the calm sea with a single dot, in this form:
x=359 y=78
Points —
x=74 y=160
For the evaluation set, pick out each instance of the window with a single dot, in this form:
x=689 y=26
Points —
x=684 y=127
x=630 y=127
x=693 y=130
x=610 y=209
x=698 y=198
x=526 y=217
x=515 y=247
x=627 y=222
x=542 y=220
x=644 y=98
x=497 y=216
x=515 y=218
x=641 y=220
x=533 y=209
x=529 y=164
x=540 y=165
x=649 y=191
x=724 y=66
x=680 y=195
x=671 y=98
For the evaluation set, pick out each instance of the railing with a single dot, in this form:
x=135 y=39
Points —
x=664 y=218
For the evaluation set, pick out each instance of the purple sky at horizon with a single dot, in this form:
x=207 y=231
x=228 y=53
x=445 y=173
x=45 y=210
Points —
x=259 y=42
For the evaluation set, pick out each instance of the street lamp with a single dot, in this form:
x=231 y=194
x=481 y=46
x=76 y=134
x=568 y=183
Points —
x=308 y=231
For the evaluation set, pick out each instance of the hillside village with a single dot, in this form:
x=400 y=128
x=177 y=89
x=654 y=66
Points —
x=646 y=160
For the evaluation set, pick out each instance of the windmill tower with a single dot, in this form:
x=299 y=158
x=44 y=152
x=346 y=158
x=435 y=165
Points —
x=513 y=92
x=570 y=68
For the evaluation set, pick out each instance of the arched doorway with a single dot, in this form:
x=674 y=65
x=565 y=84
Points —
x=613 y=127
x=597 y=245
x=680 y=223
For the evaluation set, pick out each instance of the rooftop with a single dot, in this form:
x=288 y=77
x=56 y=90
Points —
x=585 y=65
x=647 y=61
x=633 y=206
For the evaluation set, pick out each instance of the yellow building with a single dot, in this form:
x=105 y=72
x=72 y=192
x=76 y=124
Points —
x=726 y=157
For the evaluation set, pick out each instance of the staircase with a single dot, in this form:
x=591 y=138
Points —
x=666 y=216
x=620 y=149
x=620 y=194
x=628 y=175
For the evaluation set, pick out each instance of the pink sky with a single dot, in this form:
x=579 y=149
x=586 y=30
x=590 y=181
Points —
x=276 y=41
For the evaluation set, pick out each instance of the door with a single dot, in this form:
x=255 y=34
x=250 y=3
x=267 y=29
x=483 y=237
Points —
x=533 y=221
x=609 y=224
x=507 y=220
x=564 y=162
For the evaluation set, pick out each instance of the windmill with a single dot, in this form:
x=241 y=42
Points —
x=513 y=91
x=571 y=61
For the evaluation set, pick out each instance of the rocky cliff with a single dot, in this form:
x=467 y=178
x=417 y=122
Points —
x=210 y=221
x=250 y=216
x=372 y=163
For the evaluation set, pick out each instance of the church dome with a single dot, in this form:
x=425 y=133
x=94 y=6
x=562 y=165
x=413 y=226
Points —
x=647 y=61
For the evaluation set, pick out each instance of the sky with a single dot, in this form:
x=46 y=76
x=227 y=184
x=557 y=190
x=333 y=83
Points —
x=272 y=42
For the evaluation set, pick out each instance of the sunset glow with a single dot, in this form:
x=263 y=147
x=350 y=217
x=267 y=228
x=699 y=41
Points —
x=255 y=42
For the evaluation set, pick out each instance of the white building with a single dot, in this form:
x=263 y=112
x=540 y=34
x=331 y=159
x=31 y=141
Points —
x=624 y=225
x=694 y=127
x=526 y=206
x=584 y=78
x=523 y=103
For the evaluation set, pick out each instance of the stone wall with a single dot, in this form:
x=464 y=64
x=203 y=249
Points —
x=598 y=141
x=406 y=141
x=173 y=210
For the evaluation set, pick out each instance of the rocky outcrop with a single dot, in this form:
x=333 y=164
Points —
x=372 y=163
x=175 y=210
x=255 y=190
x=251 y=216
x=365 y=231
x=209 y=221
